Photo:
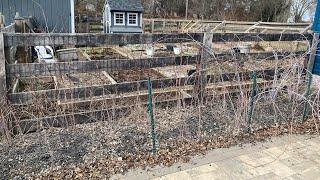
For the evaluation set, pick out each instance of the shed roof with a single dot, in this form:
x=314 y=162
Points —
x=125 y=5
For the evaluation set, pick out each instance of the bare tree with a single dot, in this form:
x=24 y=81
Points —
x=239 y=10
x=300 y=8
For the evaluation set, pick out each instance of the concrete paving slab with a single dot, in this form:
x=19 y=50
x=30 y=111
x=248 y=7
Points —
x=311 y=173
x=286 y=158
x=269 y=176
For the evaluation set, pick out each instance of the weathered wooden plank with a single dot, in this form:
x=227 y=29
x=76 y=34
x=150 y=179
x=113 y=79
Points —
x=37 y=69
x=8 y=29
x=109 y=77
x=52 y=69
x=102 y=90
x=236 y=37
x=279 y=28
x=94 y=91
x=263 y=56
x=67 y=120
x=229 y=22
x=91 y=116
x=39 y=39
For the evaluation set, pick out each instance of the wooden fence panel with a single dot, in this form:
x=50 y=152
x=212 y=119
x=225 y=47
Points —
x=54 y=69
x=26 y=39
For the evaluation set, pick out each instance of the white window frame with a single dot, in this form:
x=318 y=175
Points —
x=73 y=27
x=123 y=19
x=136 y=14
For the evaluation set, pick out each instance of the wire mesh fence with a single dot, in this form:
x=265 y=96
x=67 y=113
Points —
x=111 y=128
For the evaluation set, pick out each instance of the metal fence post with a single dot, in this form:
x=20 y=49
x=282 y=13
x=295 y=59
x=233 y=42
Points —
x=205 y=56
x=307 y=96
x=151 y=116
x=3 y=86
x=252 y=99
x=312 y=57
x=3 y=83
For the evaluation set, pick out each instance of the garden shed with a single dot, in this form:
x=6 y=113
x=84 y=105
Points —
x=123 y=16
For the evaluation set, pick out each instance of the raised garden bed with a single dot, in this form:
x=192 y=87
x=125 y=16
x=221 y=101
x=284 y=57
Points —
x=263 y=46
x=258 y=65
x=251 y=65
x=122 y=100
x=160 y=50
x=33 y=84
x=103 y=53
x=82 y=79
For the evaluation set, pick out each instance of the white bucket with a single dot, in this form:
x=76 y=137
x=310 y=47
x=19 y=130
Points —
x=150 y=51
x=245 y=48
x=177 y=50
x=65 y=55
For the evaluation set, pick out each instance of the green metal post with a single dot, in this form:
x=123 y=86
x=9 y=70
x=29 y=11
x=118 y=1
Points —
x=150 y=110
x=307 y=95
x=252 y=99
x=314 y=47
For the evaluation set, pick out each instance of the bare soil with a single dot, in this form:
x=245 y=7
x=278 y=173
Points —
x=251 y=65
x=82 y=79
x=175 y=71
x=163 y=53
x=35 y=84
x=80 y=55
x=135 y=75
x=263 y=46
x=139 y=51
x=104 y=53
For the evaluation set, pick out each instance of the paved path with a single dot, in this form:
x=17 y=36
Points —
x=288 y=157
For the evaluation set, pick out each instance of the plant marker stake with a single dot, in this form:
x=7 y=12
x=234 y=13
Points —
x=150 y=110
x=252 y=99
